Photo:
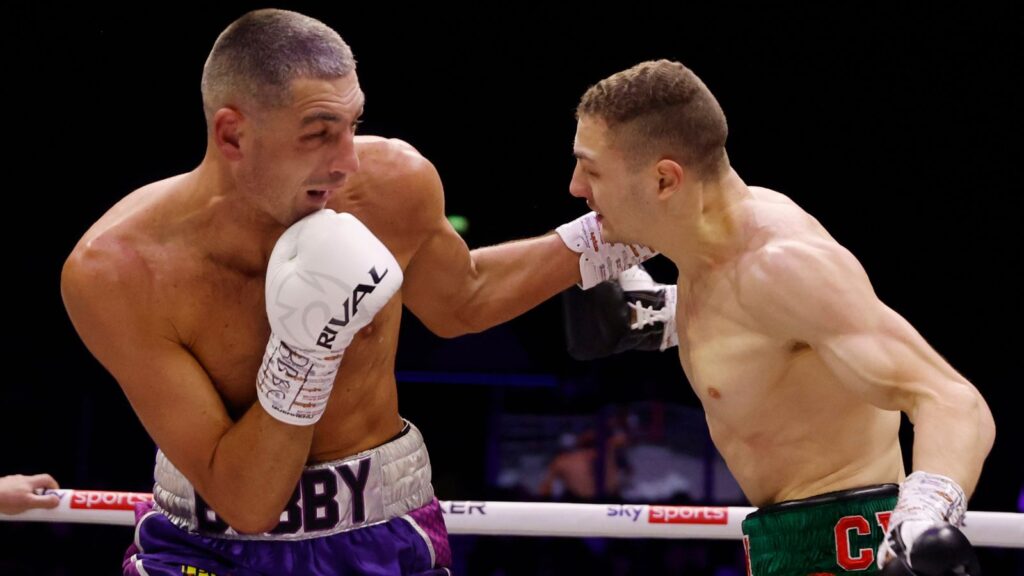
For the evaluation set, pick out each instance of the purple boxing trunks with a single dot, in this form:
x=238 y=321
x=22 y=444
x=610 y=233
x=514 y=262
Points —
x=373 y=513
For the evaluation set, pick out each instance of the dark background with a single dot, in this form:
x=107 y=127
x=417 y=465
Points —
x=898 y=128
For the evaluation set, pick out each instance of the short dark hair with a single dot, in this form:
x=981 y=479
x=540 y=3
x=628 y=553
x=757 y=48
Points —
x=661 y=108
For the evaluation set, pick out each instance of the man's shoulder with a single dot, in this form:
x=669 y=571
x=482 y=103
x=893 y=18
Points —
x=778 y=257
x=119 y=253
x=397 y=176
x=795 y=271
x=130 y=234
x=397 y=166
x=763 y=194
x=106 y=291
x=106 y=264
x=389 y=158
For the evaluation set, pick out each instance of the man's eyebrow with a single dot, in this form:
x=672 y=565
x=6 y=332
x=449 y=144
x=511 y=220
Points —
x=580 y=155
x=322 y=116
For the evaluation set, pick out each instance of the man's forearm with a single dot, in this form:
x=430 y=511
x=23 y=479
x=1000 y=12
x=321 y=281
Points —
x=953 y=434
x=254 y=470
x=514 y=277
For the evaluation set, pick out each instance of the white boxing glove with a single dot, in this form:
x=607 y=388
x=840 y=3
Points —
x=599 y=260
x=327 y=277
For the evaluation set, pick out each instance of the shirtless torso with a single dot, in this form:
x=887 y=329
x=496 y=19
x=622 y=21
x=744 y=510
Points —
x=802 y=370
x=204 y=292
x=780 y=417
x=167 y=290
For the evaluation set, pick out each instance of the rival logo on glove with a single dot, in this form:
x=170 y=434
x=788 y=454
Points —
x=327 y=334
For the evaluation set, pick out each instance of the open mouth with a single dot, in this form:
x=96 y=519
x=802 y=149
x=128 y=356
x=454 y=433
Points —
x=317 y=194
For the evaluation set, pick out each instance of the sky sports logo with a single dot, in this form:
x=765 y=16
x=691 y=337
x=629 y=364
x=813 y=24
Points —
x=688 y=515
x=100 y=500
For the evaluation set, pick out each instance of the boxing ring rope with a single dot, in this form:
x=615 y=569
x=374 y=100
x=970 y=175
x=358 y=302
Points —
x=994 y=529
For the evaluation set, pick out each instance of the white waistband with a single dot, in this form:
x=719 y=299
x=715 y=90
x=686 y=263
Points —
x=361 y=490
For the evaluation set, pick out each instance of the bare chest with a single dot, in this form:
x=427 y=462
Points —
x=221 y=319
x=730 y=362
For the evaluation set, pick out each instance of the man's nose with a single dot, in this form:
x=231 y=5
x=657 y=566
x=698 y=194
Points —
x=345 y=160
x=577 y=186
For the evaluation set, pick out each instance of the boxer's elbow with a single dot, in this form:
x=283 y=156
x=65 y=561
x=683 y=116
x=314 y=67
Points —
x=454 y=326
x=986 y=424
x=961 y=402
x=450 y=332
x=256 y=525
x=243 y=507
x=975 y=409
x=466 y=316
x=476 y=316
x=250 y=519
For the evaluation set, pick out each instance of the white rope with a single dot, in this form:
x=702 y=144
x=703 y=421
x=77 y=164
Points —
x=996 y=529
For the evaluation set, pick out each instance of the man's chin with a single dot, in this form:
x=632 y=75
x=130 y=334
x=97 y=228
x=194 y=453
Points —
x=305 y=210
x=617 y=238
x=610 y=235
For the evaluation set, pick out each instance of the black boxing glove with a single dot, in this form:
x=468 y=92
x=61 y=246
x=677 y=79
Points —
x=632 y=312
x=924 y=537
x=940 y=550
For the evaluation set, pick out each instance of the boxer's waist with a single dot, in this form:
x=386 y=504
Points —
x=821 y=512
x=360 y=490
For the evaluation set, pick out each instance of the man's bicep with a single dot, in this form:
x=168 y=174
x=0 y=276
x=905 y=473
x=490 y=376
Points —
x=804 y=292
x=887 y=361
x=822 y=297
x=439 y=280
x=170 y=392
x=176 y=401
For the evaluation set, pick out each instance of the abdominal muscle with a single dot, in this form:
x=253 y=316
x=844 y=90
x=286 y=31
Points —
x=791 y=430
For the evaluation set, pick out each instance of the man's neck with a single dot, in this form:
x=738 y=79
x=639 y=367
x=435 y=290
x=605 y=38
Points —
x=713 y=229
x=228 y=227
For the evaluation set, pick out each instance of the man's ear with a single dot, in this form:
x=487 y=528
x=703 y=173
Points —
x=227 y=131
x=670 y=178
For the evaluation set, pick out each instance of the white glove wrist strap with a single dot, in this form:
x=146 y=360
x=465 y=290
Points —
x=932 y=497
x=294 y=385
x=599 y=260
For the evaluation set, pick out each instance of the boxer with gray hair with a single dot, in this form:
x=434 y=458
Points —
x=250 y=308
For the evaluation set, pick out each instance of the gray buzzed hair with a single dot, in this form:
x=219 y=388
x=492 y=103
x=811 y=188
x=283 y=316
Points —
x=256 y=58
